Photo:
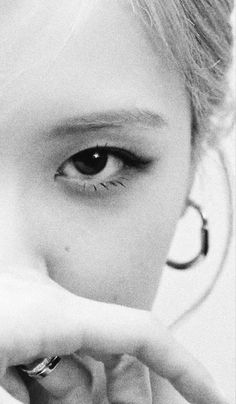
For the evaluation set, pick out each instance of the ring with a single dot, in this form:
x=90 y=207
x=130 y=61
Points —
x=43 y=368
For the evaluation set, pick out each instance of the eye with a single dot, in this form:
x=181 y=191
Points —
x=99 y=167
x=89 y=163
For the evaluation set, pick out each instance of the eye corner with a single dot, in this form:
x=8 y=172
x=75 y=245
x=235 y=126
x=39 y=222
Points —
x=97 y=169
x=58 y=173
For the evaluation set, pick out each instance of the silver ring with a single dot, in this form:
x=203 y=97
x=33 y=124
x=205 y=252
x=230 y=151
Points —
x=43 y=368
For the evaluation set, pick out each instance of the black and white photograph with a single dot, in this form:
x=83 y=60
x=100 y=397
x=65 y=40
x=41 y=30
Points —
x=117 y=201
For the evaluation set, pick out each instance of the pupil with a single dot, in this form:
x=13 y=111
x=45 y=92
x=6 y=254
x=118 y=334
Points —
x=90 y=162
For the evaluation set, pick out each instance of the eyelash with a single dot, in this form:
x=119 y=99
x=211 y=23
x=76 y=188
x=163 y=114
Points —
x=129 y=159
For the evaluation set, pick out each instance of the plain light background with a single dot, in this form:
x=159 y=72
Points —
x=210 y=331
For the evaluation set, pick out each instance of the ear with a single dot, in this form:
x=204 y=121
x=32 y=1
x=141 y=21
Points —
x=191 y=178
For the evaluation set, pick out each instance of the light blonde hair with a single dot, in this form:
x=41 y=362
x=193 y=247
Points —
x=198 y=38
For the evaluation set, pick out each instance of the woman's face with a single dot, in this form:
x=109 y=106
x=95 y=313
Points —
x=76 y=76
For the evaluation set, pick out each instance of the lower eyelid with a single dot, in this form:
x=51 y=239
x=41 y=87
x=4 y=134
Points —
x=72 y=188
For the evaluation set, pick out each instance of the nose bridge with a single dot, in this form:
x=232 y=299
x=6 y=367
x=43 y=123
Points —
x=16 y=245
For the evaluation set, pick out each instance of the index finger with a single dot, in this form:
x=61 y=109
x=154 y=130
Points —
x=116 y=329
x=167 y=357
x=72 y=323
x=6 y=398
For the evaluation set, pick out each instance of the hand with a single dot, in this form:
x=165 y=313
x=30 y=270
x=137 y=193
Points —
x=47 y=320
x=127 y=380
x=70 y=380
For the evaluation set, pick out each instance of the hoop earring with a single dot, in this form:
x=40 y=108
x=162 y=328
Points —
x=204 y=234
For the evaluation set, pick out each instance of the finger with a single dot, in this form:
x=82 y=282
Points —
x=14 y=385
x=69 y=323
x=128 y=382
x=6 y=398
x=168 y=358
x=67 y=383
x=96 y=367
x=116 y=329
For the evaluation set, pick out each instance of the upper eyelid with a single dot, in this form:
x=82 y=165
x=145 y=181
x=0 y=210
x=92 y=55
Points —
x=119 y=152
x=142 y=148
x=136 y=161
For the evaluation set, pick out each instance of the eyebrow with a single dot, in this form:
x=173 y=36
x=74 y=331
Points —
x=109 y=120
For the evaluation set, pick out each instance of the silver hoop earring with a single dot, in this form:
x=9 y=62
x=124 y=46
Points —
x=204 y=234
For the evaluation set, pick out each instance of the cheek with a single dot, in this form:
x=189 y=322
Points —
x=116 y=259
x=116 y=253
x=116 y=265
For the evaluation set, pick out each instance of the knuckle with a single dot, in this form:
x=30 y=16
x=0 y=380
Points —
x=143 y=341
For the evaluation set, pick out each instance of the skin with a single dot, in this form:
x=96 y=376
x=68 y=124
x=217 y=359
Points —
x=106 y=245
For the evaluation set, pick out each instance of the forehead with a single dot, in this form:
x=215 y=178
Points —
x=37 y=33
x=79 y=56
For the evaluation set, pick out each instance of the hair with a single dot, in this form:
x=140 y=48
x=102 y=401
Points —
x=198 y=37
